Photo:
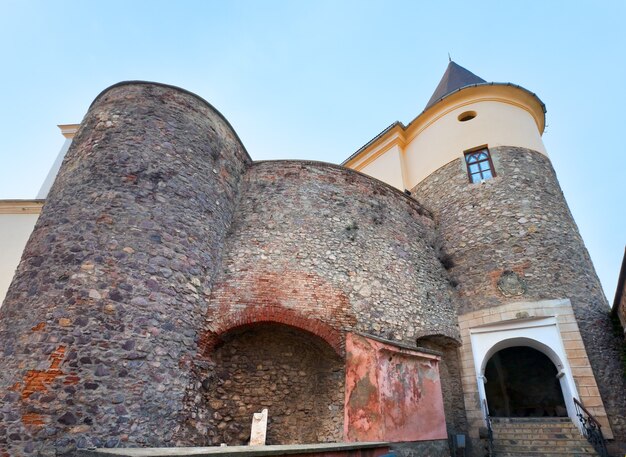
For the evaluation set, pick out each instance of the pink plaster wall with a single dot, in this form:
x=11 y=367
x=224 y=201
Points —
x=392 y=393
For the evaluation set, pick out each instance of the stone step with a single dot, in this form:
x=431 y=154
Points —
x=532 y=426
x=535 y=429
x=512 y=425
x=518 y=437
x=543 y=454
x=541 y=442
x=543 y=448
x=498 y=452
x=529 y=435
x=551 y=434
x=531 y=419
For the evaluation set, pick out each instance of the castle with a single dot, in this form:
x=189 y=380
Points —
x=430 y=289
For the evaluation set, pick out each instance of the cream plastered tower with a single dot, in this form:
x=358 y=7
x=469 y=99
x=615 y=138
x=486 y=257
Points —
x=464 y=113
x=476 y=159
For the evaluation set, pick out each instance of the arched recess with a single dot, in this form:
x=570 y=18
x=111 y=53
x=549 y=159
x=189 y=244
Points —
x=254 y=315
x=522 y=341
x=556 y=355
x=540 y=333
x=521 y=381
x=297 y=375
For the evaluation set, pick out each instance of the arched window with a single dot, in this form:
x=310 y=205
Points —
x=479 y=165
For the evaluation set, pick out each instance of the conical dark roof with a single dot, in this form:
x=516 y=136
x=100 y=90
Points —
x=454 y=78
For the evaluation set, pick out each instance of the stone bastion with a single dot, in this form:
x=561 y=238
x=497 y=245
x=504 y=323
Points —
x=172 y=286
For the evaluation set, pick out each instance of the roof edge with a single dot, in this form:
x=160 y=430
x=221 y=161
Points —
x=430 y=107
x=19 y=206
x=517 y=86
x=373 y=140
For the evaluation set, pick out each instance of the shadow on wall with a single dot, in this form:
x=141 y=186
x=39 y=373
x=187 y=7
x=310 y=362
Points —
x=296 y=375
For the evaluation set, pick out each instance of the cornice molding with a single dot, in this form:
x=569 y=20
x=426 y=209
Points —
x=68 y=130
x=21 y=206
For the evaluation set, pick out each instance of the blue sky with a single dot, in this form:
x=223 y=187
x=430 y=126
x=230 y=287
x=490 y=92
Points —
x=318 y=79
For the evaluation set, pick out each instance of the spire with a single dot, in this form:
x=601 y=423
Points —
x=454 y=78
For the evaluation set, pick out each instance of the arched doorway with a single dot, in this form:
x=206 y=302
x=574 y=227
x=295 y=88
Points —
x=295 y=374
x=523 y=382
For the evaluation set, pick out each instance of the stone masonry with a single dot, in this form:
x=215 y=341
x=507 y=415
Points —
x=519 y=225
x=336 y=246
x=98 y=330
x=172 y=287
x=326 y=250
x=298 y=378
x=159 y=249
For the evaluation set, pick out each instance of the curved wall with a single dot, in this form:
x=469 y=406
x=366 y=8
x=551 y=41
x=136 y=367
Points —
x=442 y=138
x=505 y=115
x=98 y=327
x=326 y=251
x=323 y=242
x=520 y=222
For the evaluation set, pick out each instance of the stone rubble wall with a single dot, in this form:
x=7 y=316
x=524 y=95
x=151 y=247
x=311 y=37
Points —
x=513 y=238
x=296 y=375
x=160 y=237
x=335 y=247
x=451 y=384
x=99 y=326
x=325 y=250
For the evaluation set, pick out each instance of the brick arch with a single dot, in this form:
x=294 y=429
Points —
x=439 y=339
x=253 y=315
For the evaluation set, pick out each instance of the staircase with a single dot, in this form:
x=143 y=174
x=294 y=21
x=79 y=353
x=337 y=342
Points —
x=538 y=436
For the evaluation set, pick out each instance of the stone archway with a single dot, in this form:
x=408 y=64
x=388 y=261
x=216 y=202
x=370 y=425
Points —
x=523 y=382
x=297 y=375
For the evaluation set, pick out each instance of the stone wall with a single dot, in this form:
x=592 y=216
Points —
x=159 y=239
x=98 y=328
x=513 y=238
x=297 y=376
x=327 y=248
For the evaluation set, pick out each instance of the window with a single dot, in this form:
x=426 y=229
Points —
x=467 y=116
x=479 y=165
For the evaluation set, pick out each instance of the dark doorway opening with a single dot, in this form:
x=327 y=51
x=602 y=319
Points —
x=522 y=382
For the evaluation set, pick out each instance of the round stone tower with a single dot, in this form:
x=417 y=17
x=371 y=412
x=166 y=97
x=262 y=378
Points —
x=475 y=158
x=97 y=332
x=523 y=277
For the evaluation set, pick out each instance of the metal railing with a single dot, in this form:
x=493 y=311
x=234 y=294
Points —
x=591 y=429
x=489 y=430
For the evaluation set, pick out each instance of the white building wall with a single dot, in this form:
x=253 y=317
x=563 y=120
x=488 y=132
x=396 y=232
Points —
x=15 y=230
